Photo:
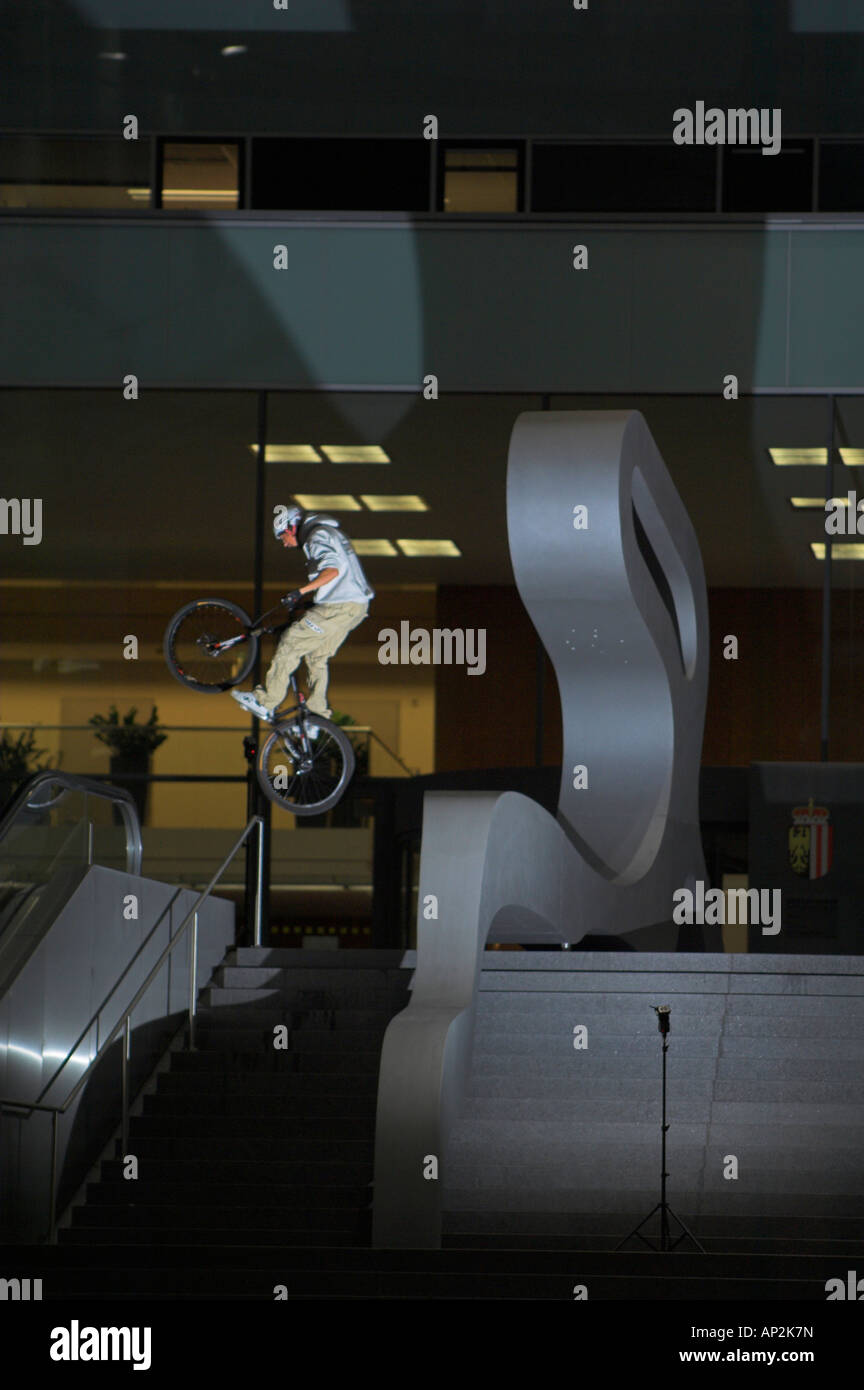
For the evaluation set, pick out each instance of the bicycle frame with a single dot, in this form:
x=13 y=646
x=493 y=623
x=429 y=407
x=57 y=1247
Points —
x=299 y=711
x=256 y=630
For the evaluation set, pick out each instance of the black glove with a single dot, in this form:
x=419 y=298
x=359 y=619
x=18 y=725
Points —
x=294 y=599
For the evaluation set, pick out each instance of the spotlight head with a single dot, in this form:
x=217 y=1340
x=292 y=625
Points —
x=662 y=1011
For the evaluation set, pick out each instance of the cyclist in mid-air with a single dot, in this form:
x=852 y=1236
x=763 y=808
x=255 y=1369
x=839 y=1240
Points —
x=341 y=601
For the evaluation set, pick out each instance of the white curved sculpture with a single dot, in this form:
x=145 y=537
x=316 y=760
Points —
x=608 y=567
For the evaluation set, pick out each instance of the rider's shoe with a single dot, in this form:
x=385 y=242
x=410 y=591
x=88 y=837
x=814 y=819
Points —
x=248 y=702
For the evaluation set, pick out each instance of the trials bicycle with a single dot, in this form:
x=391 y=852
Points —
x=306 y=762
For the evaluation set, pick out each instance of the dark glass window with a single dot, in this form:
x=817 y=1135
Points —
x=200 y=174
x=757 y=182
x=623 y=178
x=39 y=171
x=841 y=175
x=339 y=174
x=480 y=178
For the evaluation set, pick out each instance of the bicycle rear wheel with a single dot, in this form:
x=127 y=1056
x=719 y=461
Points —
x=306 y=774
x=192 y=645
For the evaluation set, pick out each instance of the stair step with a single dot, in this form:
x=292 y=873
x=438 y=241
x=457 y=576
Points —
x=242 y=1168
x=304 y=1040
x=329 y=1152
x=393 y=963
x=257 y=1126
x=37 y=1259
x=262 y=977
x=371 y=1019
x=349 y=1232
x=78 y=1269
x=223 y=1060
x=265 y=1105
x=285 y=1196
x=164 y=1221
x=224 y=1081
x=583 y=1226
x=203 y=1281
x=237 y=1046
x=303 y=998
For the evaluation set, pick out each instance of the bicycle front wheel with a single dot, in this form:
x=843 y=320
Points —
x=208 y=646
x=306 y=765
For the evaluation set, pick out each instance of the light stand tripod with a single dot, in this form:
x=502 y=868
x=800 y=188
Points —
x=666 y=1242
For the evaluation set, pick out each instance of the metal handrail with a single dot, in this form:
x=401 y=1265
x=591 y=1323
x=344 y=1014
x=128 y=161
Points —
x=210 y=729
x=168 y=728
x=348 y=728
x=93 y=1021
x=69 y=782
x=124 y=1021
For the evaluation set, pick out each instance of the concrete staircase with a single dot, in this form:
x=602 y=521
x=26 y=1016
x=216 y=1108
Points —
x=241 y=1144
x=559 y=1148
x=255 y=1165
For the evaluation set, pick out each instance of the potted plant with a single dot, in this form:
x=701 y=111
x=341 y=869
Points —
x=131 y=748
x=17 y=762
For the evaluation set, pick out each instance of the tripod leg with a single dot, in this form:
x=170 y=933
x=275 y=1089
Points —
x=664 y=1228
x=637 y=1230
x=686 y=1232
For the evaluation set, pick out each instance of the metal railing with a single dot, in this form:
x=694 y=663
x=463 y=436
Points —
x=28 y=799
x=124 y=1022
x=365 y=729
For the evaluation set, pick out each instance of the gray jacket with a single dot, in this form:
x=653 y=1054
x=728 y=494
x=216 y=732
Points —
x=326 y=547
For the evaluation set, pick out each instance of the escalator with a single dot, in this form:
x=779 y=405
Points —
x=82 y=935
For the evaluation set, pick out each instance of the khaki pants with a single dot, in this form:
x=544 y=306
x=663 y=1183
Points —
x=313 y=638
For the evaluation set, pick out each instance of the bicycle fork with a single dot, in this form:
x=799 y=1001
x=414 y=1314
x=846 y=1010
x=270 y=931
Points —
x=299 y=742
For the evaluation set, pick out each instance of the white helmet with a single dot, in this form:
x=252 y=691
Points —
x=286 y=519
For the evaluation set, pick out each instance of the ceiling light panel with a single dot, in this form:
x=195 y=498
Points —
x=289 y=453
x=354 y=453
x=816 y=503
x=840 y=550
x=799 y=458
x=378 y=502
x=367 y=547
x=327 y=501
x=417 y=550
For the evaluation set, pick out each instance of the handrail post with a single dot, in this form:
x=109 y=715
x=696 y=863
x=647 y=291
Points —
x=89 y=841
x=52 y=1203
x=193 y=981
x=259 y=886
x=124 y=1088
